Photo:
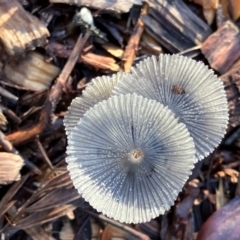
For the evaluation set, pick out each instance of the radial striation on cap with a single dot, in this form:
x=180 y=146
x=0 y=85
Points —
x=97 y=90
x=189 y=89
x=129 y=157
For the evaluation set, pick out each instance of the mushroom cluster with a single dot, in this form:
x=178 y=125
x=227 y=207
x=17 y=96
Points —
x=189 y=89
x=133 y=138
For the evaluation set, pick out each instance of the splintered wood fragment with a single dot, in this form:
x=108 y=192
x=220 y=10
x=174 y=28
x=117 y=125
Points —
x=119 y=6
x=132 y=46
x=209 y=7
x=10 y=165
x=19 y=30
x=57 y=88
x=97 y=61
x=100 y=62
x=31 y=71
x=3 y=120
x=113 y=50
x=28 y=133
x=222 y=48
x=174 y=25
x=231 y=80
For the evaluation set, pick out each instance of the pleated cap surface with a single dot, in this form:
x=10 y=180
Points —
x=129 y=157
x=189 y=89
x=97 y=90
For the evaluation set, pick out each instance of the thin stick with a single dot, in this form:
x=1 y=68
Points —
x=29 y=200
x=57 y=88
x=129 y=54
x=26 y=134
x=197 y=47
x=8 y=95
x=43 y=152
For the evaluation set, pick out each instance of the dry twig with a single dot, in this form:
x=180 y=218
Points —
x=57 y=88
x=132 y=47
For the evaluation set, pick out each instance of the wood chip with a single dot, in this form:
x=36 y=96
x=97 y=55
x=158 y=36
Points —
x=119 y=6
x=113 y=50
x=57 y=88
x=19 y=30
x=31 y=71
x=132 y=46
x=10 y=165
x=100 y=62
x=231 y=82
x=25 y=134
x=3 y=120
x=209 y=7
x=175 y=26
x=222 y=48
x=95 y=60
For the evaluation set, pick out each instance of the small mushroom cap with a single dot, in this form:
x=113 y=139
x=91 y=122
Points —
x=86 y=15
x=129 y=157
x=189 y=89
x=97 y=90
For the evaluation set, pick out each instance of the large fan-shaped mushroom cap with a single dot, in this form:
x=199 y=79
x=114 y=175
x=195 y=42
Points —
x=129 y=157
x=97 y=90
x=189 y=89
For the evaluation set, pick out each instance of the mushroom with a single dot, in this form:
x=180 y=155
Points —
x=98 y=89
x=189 y=89
x=129 y=157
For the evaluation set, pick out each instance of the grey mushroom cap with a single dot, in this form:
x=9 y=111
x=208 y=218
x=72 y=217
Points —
x=189 y=89
x=129 y=157
x=97 y=90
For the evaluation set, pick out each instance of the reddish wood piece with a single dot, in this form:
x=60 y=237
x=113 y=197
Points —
x=222 y=48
